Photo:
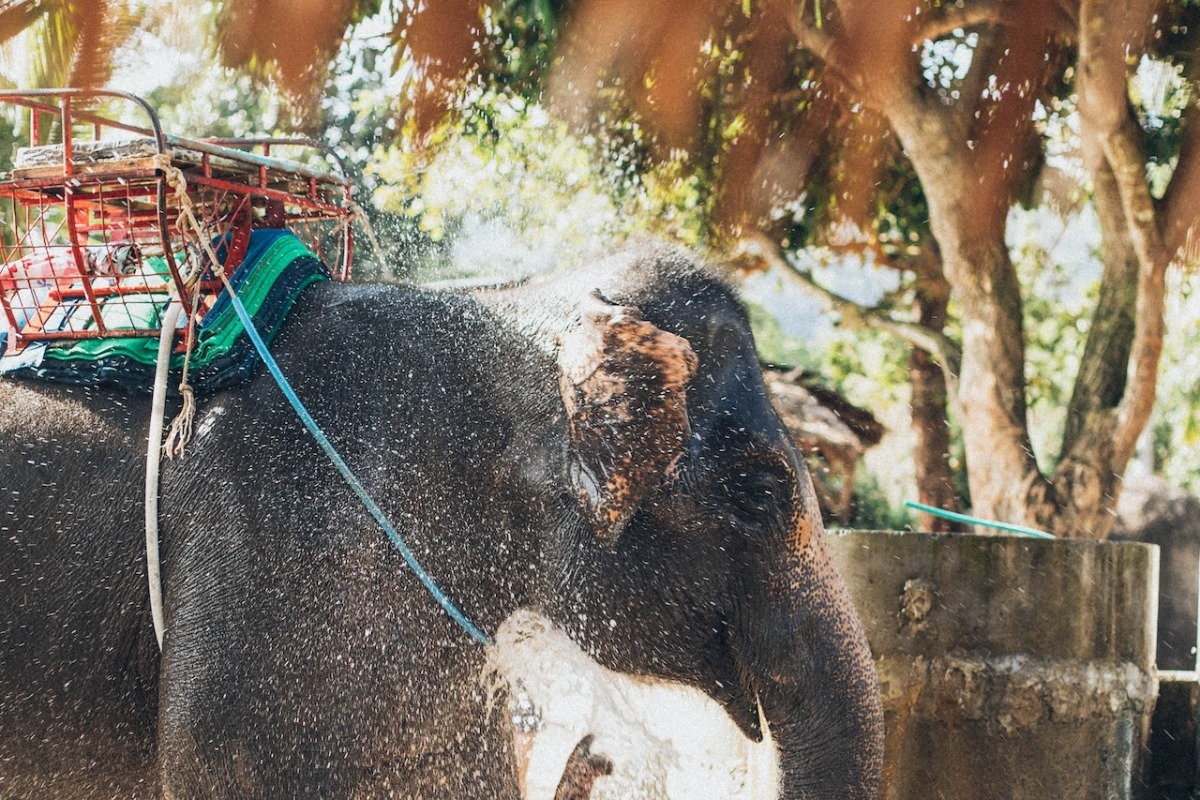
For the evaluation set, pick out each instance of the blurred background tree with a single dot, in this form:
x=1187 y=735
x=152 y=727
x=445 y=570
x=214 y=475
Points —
x=936 y=142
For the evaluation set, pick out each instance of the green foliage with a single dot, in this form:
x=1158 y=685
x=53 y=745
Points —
x=51 y=43
x=9 y=141
x=1057 y=261
x=773 y=345
x=1174 y=443
x=1161 y=94
x=214 y=102
x=522 y=36
x=872 y=511
x=853 y=356
x=358 y=120
x=510 y=164
x=902 y=213
x=870 y=370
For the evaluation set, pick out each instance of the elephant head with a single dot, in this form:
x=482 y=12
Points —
x=692 y=548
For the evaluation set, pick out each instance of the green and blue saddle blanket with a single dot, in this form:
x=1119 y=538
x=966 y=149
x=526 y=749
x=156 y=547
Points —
x=275 y=269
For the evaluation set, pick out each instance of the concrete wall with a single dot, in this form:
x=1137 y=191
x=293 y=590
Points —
x=1011 y=667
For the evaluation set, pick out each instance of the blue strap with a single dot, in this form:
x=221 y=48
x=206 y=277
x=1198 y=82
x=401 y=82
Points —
x=350 y=478
x=987 y=523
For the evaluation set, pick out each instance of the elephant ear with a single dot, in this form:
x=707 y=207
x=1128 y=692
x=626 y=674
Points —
x=624 y=385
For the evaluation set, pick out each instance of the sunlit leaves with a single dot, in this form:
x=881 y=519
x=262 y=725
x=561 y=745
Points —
x=64 y=42
x=512 y=166
x=1057 y=259
x=1175 y=443
x=946 y=62
x=211 y=102
x=1162 y=95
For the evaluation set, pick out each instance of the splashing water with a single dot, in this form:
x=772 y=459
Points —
x=665 y=741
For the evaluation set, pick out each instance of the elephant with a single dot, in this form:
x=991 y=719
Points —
x=597 y=446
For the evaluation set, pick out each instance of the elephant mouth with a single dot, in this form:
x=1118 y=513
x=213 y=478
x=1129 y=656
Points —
x=742 y=707
x=737 y=691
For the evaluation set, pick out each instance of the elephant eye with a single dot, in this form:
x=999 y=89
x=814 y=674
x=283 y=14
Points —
x=757 y=496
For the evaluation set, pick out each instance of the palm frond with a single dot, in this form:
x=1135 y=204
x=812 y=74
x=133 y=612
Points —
x=16 y=17
x=102 y=27
x=290 y=41
x=51 y=47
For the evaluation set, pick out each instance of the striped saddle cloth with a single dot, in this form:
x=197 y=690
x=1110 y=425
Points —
x=275 y=269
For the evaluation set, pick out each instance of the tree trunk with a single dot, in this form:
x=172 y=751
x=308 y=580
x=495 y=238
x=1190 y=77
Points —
x=991 y=389
x=1086 y=482
x=935 y=478
x=968 y=222
x=1103 y=370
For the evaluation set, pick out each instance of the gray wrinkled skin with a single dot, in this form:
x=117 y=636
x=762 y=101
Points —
x=303 y=659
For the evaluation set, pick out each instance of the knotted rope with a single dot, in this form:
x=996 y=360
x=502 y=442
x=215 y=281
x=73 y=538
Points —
x=180 y=432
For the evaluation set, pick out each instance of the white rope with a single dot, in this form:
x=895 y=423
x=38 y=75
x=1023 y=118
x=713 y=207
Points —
x=181 y=426
x=166 y=344
x=154 y=444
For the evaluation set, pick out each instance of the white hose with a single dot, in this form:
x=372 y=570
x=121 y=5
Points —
x=166 y=343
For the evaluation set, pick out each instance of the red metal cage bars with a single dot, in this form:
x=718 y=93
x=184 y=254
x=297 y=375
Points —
x=60 y=213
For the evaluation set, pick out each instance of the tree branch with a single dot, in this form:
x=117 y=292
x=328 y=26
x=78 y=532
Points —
x=976 y=14
x=758 y=248
x=1180 y=207
x=889 y=83
x=870 y=81
x=1123 y=152
x=815 y=40
x=952 y=17
x=1103 y=374
x=1069 y=12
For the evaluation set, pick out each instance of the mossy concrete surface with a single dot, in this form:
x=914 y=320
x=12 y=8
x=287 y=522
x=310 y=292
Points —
x=1011 y=667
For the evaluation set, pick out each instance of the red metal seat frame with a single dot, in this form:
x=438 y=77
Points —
x=65 y=208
